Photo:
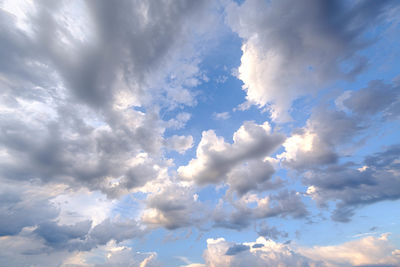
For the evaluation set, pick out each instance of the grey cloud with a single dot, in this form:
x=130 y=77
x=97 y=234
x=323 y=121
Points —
x=241 y=214
x=77 y=132
x=290 y=54
x=82 y=237
x=118 y=230
x=270 y=232
x=235 y=249
x=173 y=207
x=316 y=144
x=57 y=235
x=378 y=181
x=345 y=176
x=21 y=209
x=375 y=98
x=179 y=143
x=50 y=154
x=124 y=41
x=254 y=175
x=217 y=161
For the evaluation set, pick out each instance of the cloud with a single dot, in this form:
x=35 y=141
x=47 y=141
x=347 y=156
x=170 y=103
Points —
x=290 y=54
x=270 y=254
x=172 y=207
x=236 y=249
x=118 y=230
x=270 y=232
x=352 y=187
x=217 y=161
x=26 y=250
x=58 y=235
x=221 y=116
x=374 y=251
x=81 y=102
x=369 y=251
x=179 y=143
x=240 y=213
x=22 y=208
x=316 y=144
x=376 y=97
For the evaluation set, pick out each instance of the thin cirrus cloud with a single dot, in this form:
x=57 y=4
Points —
x=116 y=148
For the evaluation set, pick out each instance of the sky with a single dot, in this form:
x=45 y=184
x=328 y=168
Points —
x=200 y=133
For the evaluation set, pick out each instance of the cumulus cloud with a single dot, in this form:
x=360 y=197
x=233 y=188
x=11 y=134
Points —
x=218 y=161
x=289 y=54
x=316 y=143
x=369 y=251
x=69 y=108
x=179 y=143
x=238 y=214
x=270 y=254
x=172 y=207
x=26 y=250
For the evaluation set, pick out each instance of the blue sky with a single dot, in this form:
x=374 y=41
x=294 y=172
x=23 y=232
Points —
x=199 y=133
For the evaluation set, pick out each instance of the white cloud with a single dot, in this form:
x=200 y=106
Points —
x=221 y=116
x=172 y=207
x=290 y=54
x=316 y=144
x=218 y=161
x=366 y=251
x=179 y=143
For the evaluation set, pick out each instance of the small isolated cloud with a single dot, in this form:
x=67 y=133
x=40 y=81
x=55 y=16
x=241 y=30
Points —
x=221 y=116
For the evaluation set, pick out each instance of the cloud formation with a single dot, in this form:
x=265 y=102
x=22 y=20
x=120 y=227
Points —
x=376 y=180
x=292 y=48
x=369 y=251
x=218 y=161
